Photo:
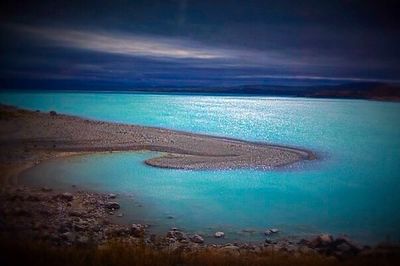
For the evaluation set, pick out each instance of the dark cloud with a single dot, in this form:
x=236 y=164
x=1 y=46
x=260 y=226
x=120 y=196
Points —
x=155 y=43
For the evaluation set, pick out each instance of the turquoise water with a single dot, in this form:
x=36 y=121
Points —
x=353 y=189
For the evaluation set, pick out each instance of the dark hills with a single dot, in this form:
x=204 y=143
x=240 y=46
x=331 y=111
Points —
x=361 y=90
x=375 y=91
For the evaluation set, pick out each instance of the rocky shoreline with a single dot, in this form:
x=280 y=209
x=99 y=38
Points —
x=84 y=219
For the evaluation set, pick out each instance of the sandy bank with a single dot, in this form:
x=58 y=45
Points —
x=28 y=137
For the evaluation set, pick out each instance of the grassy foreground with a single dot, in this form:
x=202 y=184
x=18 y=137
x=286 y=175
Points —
x=34 y=253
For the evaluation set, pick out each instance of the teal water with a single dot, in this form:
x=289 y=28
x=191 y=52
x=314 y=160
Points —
x=353 y=189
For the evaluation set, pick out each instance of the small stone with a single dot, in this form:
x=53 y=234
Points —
x=120 y=215
x=53 y=113
x=219 y=234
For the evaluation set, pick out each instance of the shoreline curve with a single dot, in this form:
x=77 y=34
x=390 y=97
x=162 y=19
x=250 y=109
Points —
x=29 y=136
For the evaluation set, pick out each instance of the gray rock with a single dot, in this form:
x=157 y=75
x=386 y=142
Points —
x=111 y=196
x=271 y=231
x=178 y=235
x=219 y=234
x=112 y=205
x=197 y=239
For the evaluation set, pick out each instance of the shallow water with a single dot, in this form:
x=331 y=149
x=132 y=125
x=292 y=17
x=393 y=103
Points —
x=353 y=189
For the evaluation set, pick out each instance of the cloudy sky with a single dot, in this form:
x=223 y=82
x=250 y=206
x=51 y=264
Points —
x=128 y=44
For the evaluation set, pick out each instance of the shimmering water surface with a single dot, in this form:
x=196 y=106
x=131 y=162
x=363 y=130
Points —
x=353 y=189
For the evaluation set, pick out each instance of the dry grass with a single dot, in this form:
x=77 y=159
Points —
x=33 y=253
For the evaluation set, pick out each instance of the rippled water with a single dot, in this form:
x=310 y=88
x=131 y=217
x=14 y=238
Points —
x=353 y=189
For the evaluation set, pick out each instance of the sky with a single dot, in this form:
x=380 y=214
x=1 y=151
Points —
x=132 y=44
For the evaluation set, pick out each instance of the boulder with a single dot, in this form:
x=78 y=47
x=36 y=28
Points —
x=53 y=113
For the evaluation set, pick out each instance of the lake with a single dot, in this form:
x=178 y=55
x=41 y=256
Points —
x=353 y=188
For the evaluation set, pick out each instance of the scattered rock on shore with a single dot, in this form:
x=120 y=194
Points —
x=219 y=234
x=112 y=205
x=50 y=216
x=197 y=239
x=111 y=196
x=177 y=235
x=271 y=231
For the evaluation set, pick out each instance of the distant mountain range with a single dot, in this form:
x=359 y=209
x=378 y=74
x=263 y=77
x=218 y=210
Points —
x=375 y=91
x=362 y=90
